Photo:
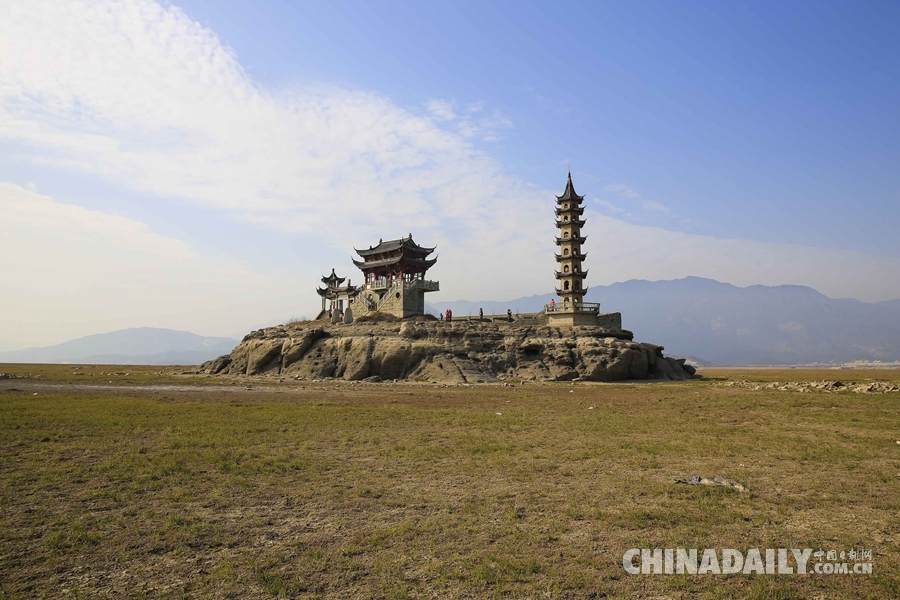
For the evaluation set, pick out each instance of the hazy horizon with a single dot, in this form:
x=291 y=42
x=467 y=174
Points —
x=198 y=166
x=430 y=307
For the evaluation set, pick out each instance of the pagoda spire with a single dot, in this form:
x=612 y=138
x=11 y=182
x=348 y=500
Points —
x=570 y=194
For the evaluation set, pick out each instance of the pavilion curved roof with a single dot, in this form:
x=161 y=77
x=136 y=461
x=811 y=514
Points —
x=333 y=279
x=383 y=247
x=330 y=292
x=387 y=262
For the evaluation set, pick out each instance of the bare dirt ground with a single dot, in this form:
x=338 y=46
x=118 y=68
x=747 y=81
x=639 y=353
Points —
x=147 y=482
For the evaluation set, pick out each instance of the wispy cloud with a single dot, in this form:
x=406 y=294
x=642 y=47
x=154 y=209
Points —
x=472 y=123
x=70 y=271
x=613 y=208
x=628 y=192
x=622 y=190
x=441 y=110
x=547 y=104
x=142 y=96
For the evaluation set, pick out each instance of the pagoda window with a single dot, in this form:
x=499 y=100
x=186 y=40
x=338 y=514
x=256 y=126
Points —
x=577 y=285
x=566 y=206
x=577 y=269
x=566 y=269
x=566 y=234
x=565 y=285
x=566 y=218
x=566 y=252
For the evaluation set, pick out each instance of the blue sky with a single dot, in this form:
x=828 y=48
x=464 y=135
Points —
x=729 y=113
x=198 y=165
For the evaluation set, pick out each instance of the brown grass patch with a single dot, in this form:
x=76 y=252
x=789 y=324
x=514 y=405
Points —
x=394 y=491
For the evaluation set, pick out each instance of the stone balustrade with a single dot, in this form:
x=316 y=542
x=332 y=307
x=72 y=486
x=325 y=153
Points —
x=584 y=307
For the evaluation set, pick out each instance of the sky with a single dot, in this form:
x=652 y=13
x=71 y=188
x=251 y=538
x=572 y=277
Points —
x=200 y=165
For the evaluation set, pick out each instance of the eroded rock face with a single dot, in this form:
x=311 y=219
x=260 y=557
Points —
x=462 y=352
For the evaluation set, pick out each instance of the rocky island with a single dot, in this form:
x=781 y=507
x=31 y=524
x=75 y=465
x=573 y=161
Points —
x=424 y=349
x=378 y=331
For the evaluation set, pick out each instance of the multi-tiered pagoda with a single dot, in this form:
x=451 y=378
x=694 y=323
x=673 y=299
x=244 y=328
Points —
x=571 y=308
x=394 y=274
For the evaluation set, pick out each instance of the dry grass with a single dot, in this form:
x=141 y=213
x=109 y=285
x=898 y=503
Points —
x=300 y=321
x=411 y=491
x=377 y=317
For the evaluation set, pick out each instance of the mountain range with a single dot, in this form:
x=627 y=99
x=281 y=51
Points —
x=137 y=346
x=706 y=320
x=723 y=324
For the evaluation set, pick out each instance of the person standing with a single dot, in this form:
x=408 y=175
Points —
x=481 y=314
x=509 y=315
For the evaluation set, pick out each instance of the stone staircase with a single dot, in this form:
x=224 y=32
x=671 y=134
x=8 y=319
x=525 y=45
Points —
x=385 y=299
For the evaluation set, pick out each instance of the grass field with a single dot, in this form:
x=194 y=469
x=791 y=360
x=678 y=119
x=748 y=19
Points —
x=159 y=484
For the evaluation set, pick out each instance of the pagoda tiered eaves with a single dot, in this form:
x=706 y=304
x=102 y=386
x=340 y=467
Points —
x=571 y=310
x=563 y=293
x=562 y=240
x=578 y=210
x=579 y=274
x=574 y=222
x=573 y=256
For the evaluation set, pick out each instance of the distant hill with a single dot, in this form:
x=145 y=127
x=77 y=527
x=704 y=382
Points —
x=137 y=346
x=729 y=325
x=693 y=317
